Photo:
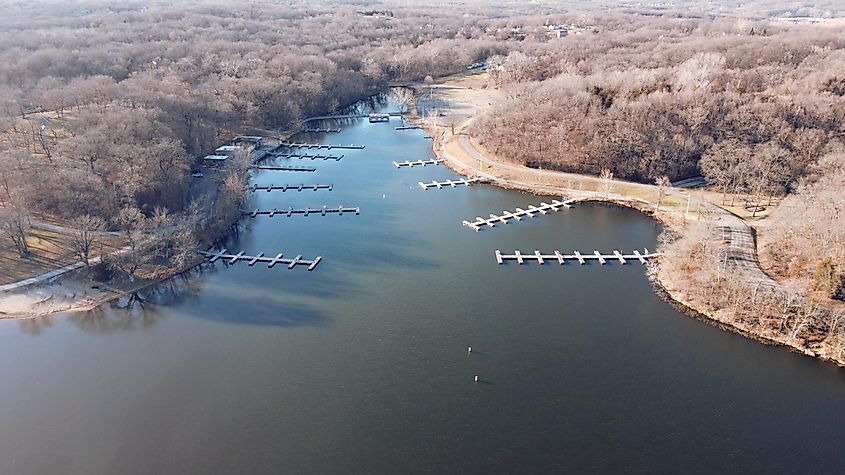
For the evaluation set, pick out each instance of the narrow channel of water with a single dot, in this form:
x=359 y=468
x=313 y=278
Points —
x=361 y=365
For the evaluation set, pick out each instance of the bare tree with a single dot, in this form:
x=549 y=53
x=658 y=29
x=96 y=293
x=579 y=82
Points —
x=16 y=222
x=606 y=180
x=84 y=232
x=663 y=186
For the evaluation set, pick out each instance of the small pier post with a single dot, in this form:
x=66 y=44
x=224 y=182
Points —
x=599 y=257
x=619 y=256
x=499 y=257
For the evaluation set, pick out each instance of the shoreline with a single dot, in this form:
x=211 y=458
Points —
x=665 y=289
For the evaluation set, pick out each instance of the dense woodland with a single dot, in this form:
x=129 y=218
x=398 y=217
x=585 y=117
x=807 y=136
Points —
x=105 y=107
x=752 y=106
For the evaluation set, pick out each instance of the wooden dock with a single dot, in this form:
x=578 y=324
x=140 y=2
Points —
x=318 y=130
x=517 y=215
x=288 y=212
x=452 y=183
x=283 y=188
x=582 y=259
x=326 y=146
x=305 y=156
x=414 y=163
x=408 y=127
x=284 y=169
x=213 y=257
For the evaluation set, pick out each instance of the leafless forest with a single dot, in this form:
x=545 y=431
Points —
x=105 y=107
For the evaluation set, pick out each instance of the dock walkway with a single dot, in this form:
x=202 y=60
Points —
x=305 y=156
x=452 y=183
x=288 y=212
x=318 y=130
x=520 y=213
x=283 y=188
x=284 y=169
x=252 y=260
x=521 y=257
x=326 y=146
x=414 y=163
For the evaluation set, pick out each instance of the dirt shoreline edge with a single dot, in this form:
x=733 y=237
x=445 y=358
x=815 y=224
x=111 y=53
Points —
x=663 y=288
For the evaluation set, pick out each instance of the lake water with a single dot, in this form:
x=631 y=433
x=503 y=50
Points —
x=361 y=366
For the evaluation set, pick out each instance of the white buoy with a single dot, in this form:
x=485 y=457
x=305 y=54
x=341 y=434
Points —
x=469 y=349
x=476 y=378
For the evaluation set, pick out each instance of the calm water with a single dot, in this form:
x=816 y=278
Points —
x=361 y=366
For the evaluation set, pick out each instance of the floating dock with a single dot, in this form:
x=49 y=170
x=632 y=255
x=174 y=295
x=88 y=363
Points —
x=318 y=130
x=252 y=260
x=283 y=188
x=305 y=156
x=288 y=212
x=408 y=127
x=582 y=259
x=452 y=183
x=285 y=169
x=520 y=213
x=326 y=146
x=414 y=163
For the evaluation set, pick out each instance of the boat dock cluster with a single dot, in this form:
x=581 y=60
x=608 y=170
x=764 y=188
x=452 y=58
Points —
x=540 y=257
x=261 y=151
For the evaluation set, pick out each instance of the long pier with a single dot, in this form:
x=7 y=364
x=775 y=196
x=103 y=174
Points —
x=408 y=127
x=252 y=260
x=518 y=214
x=304 y=156
x=283 y=188
x=317 y=130
x=288 y=212
x=320 y=146
x=284 y=169
x=541 y=258
x=452 y=183
x=413 y=163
